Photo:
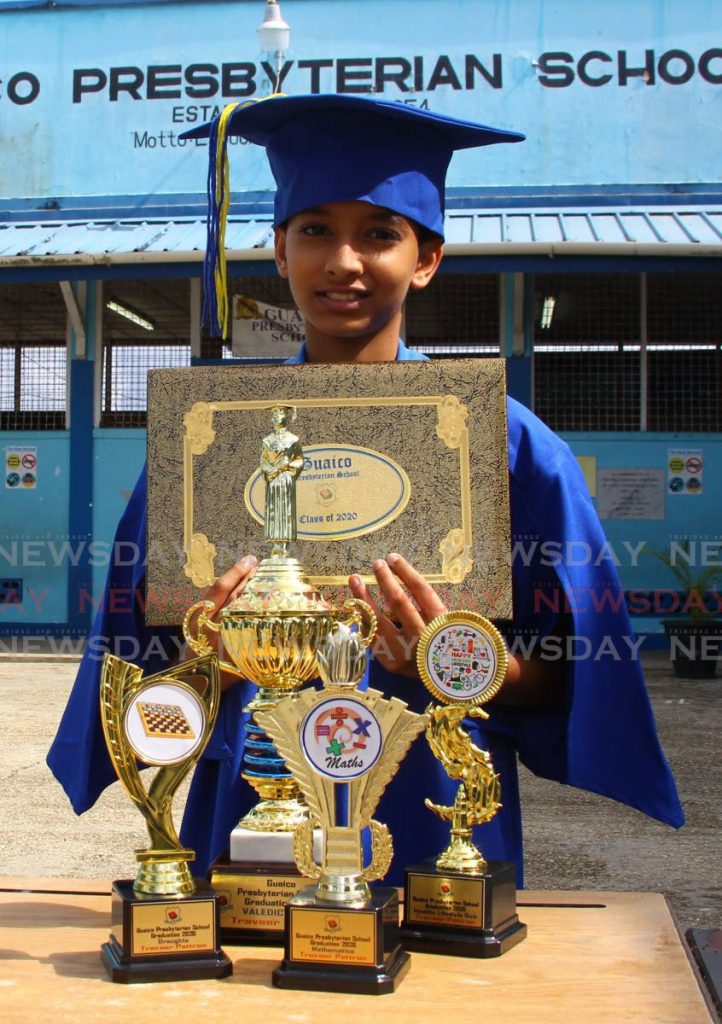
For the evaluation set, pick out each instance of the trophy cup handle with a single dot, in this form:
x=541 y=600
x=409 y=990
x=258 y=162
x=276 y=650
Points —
x=199 y=642
x=357 y=613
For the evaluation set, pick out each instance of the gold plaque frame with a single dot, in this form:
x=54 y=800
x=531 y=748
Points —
x=451 y=428
x=442 y=423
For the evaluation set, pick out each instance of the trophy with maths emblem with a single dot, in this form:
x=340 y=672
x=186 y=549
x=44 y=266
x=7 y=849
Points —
x=168 y=921
x=343 y=746
x=271 y=632
x=460 y=904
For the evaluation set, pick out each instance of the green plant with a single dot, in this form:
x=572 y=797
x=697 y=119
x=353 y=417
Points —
x=695 y=583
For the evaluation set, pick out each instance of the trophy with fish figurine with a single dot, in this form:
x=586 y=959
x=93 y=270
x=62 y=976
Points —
x=460 y=904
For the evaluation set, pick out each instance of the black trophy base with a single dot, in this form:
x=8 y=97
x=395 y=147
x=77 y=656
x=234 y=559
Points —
x=164 y=938
x=461 y=915
x=334 y=948
x=253 y=900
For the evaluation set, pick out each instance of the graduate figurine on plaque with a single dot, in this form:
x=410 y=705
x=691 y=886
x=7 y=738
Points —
x=343 y=747
x=166 y=922
x=459 y=904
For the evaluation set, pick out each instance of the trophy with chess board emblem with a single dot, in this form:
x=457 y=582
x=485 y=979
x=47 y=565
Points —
x=166 y=922
x=459 y=903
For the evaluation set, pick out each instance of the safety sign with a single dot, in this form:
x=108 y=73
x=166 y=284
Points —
x=685 y=468
x=21 y=468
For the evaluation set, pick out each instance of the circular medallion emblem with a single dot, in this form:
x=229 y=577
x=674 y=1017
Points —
x=165 y=723
x=462 y=657
x=341 y=738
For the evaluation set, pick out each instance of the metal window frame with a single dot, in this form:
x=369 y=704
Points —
x=642 y=344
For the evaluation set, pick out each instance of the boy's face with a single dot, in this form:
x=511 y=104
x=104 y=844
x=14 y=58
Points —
x=350 y=266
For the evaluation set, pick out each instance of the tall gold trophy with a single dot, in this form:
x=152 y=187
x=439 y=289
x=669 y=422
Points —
x=460 y=904
x=343 y=746
x=271 y=633
x=167 y=922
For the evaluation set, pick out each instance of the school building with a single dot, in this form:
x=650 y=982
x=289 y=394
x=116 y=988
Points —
x=588 y=257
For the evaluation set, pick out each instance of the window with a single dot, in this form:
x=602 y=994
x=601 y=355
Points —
x=629 y=351
x=455 y=315
x=32 y=357
x=683 y=351
x=586 y=376
x=146 y=325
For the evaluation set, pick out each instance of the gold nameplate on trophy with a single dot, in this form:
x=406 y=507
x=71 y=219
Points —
x=409 y=457
x=444 y=900
x=253 y=903
x=159 y=929
x=326 y=936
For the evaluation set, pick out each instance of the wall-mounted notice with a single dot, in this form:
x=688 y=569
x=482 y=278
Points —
x=21 y=468
x=685 y=467
x=630 y=493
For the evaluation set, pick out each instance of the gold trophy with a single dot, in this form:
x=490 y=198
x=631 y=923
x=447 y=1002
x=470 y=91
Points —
x=460 y=904
x=271 y=633
x=167 y=920
x=343 y=746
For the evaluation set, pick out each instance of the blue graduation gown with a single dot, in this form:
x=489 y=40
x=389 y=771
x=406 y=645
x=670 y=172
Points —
x=601 y=737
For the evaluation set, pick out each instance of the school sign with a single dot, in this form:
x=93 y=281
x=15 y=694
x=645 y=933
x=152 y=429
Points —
x=93 y=99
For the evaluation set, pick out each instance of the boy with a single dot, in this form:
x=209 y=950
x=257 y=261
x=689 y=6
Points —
x=359 y=223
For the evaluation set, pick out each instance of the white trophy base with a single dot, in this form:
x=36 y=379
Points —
x=269 y=848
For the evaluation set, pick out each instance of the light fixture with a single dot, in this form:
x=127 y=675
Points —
x=547 y=312
x=130 y=314
x=274 y=36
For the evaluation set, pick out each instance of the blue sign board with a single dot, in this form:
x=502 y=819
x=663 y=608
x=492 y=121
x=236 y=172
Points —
x=93 y=99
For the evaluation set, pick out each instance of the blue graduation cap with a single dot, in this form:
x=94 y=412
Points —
x=331 y=148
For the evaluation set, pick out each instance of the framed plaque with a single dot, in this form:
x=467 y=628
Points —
x=406 y=456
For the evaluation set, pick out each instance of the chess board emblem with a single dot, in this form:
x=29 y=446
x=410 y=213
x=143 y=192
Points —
x=164 y=721
x=459 y=903
x=167 y=921
x=159 y=732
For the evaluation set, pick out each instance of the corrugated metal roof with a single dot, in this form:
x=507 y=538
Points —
x=119 y=241
x=660 y=230
x=600 y=226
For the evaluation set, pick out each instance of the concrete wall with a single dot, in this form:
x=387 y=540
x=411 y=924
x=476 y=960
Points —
x=687 y=516
x=120 y=457
x=33 y=529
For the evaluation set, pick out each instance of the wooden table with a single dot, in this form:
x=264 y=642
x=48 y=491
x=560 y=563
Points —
x=589 y=957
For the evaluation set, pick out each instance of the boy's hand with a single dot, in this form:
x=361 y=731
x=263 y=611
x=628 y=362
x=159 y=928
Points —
x=226 y=588
x=403 y=611
x=530 y=682
x=230 y=585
